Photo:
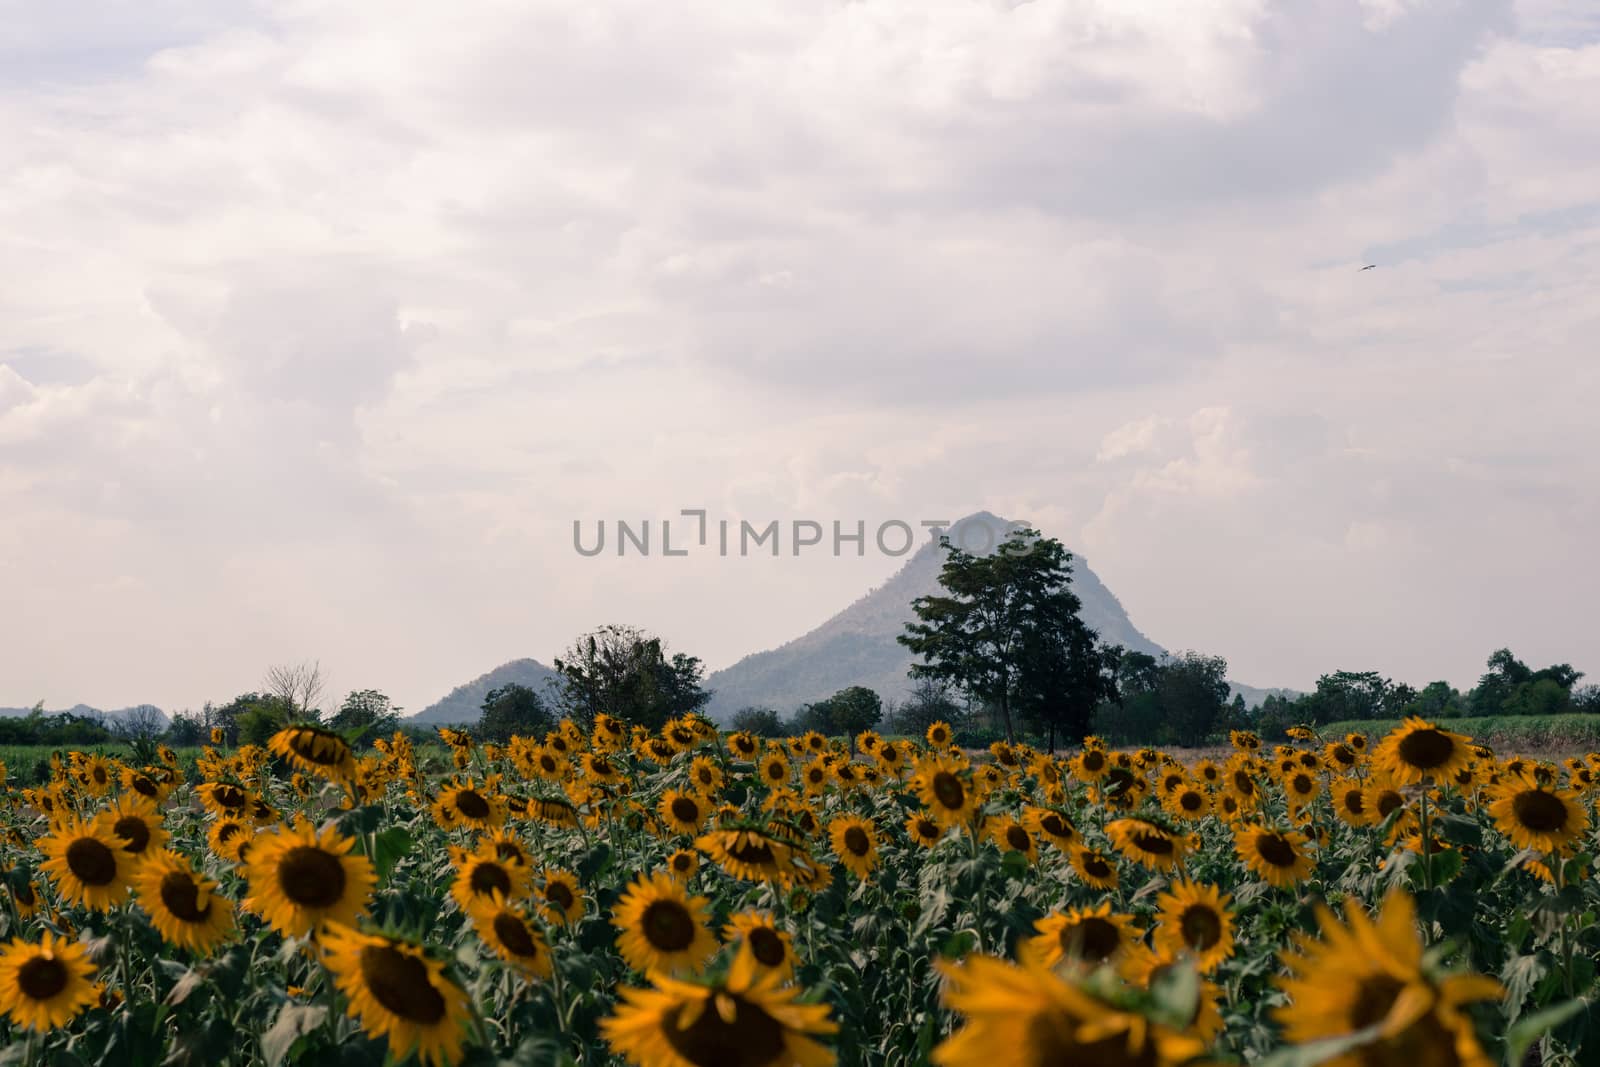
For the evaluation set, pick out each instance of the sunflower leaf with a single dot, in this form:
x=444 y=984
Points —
x=294 y=1022
x=1530 y=1028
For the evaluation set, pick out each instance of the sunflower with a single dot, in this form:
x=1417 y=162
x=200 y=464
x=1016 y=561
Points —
x=514 y=938
x=1009 y=835
x=1053 y=825
x=1090 y=765
x=185 y=908
x=939 y=785
x=770 y=944
x=1277 y=856
x=300 y=877
x=506 y=846
x=855 y=842
x=745 y=1020
x=1032 y=1017
x=1095 y=868
x=1154 y=846
x=24 y=896
x=610 y=732
x=1536 y=816
x=224 y=799
x=663 y=928
x=1350 y=802
x=1145 y=968
x=748 y=852
x=471 y=805
x=774 y=769
x=1417 y=749
x=46 y=985
x=1301 y=788
x=923 y=830
x=744 y=745
x=815 y=776
x=561 y=896
x=1195 y=919
x=314 y=750
x=554 y=811
x=136 y=821
x=1188 y=802
x=145 y=785
x=1085 y=935
x=98 y=775
x=481 y=875
x=1370 y=974
x=683 y=812
x=939 y=735
x=892 y=757
x=87 y=862
x=229 y=838
x=398 y=992
x=706 y=776
x=683 y=863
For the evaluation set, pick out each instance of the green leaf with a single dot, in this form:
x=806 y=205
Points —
x=1316 y=1052
x=294 y=1022
x=388 y=847
x=594 y=862
x=1531 y=1028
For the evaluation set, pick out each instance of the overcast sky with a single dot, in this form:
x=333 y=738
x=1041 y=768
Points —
x=320 y=324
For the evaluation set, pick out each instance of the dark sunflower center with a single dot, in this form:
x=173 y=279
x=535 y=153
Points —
x=42 y=979
x=512 y=932
x=508 y=850
x=1244 y=783
x=685 y=810
x=1354 y=802
x=1302 y=783
x=815 y=775
x=1342 y=754
x=143 y=786
x=1375 y=996
x=927 y=828
x=1201 y=926
x=682 y=861
x=558 y=894
x=948 y=790
x=668 y=926
x=1093 y=761
x=228 y=830
x=1017 y=838
x=182 y=897
x=755 y=853
x=317 y=748
x=471 y=804
x=1389 y=801
x=25 y=894
x=92 y=862
x=1539 y=811
x=1091 y=939
x=400 y=983
x=706 y=777
x=489 y=877
x=311 y=877
x=135 y=831
x=1191 y=801
x=767 y=946
x=228 y=796
x=1277 y=850
x=1055 y=825
x=1426 y=749
x=100 y=776
x=938 y=737
x=776 y=771
x=856 y=840
x=1154 y=844
x=752 y=1039
x=1095 y=867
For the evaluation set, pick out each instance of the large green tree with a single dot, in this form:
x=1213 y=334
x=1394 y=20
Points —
x=846 y=713
x=625 y=672
x=1007 y=632
x=367 y=710
x=514 y=710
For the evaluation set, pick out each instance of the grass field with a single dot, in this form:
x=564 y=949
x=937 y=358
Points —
x=1530 y=734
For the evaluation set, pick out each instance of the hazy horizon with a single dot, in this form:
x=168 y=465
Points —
x=323 y=326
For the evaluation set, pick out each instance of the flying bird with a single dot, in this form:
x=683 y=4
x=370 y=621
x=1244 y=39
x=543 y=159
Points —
x=1369 y=266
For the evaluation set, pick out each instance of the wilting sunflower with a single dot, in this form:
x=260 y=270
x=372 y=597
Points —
x=1278 y=856
x=224 y=799
x=663 y=928
x=87 y=863
x=1195 y=920
x=1085 y=935
x=481 y=875
x=745 y=1020
x=562 y=898
x=1417 y=749
x=1052 y=825
x=315 y=751
x=748 y=852
x=45 y=985
x=469 y=804
x=683 y=812
x=1095 y=868
x=136 y=821
x=949 y=799
x=1031 y=1017
x=855 y=842
x=300 y=877
x=185 y=908
x=1365 y=974
x=770 y=944
x=398 y=993
x=514 y=938
x=1142 y=840
x=229 y=838
x=1536 y=816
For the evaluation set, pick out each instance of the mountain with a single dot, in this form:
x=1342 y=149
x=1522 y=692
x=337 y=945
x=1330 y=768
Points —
x=109 y=718
x=464 y=704
x=858 y=646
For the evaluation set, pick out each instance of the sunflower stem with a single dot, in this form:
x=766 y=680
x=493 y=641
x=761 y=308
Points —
x=1427 y=849
x=1559 y=867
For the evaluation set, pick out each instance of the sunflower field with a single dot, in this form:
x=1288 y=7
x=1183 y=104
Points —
x=609 y=895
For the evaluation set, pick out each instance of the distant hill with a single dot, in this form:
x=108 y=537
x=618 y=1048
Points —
x=464 y=704
x=110 y=718
x=858 y=646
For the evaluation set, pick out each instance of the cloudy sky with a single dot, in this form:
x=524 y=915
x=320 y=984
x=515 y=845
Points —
x=320 y=324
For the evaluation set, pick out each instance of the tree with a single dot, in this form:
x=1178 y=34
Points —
x=298 y=687
x=847 y=712
x=367 y=710
x=186 y=730
x=514 y=710
x=1345 y=695
x=1511 y=687
x=762 y=722
x=622 y=671
x=1008 y=633
x=1194 y=695
x=929 y=702
x=143 y=723
x=1437 y=700
x=262 y=709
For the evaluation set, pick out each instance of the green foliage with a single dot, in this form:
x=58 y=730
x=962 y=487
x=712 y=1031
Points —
x=624 y=672
x=845 y=714
x=762 y=722
x=367 y=712
x=514 y=710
